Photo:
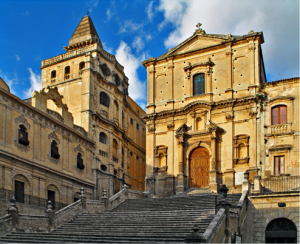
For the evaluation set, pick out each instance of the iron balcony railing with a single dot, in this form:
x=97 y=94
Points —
x=280 y=184
x=29 y=199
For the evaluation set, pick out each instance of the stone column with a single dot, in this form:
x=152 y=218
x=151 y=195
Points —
x=214 y=172
x=229 y=89
x=180 y=184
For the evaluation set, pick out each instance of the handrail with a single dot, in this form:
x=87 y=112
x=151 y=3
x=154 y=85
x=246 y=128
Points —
x=67 y=207
x=112 y=198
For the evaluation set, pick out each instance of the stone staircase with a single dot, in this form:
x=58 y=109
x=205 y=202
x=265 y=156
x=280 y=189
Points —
x=135 y=220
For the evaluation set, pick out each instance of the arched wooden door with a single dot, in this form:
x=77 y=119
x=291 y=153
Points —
x=199 y=168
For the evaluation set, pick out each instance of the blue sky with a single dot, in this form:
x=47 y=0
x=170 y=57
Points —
x=31 y=31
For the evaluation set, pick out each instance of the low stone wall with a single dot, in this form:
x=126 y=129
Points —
x=5 y=224
x=263 y=209
x=32 y=223
x=22 y=207
x=132 y=194
x=94 y=206
x=67 y=213
x=215 y=232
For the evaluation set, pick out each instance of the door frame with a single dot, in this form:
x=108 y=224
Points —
x=188 y=154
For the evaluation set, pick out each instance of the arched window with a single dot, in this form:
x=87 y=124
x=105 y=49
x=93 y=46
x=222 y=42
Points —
x=81 y=65
x=281 y=230
x=117 y=79
x=106 y=71
x=279 y=115
x=103 y=138
x=122 y=118
x=80 y=164
x=53 y=76
x=104 y=99
x=23 y=135
x=67 y=72
x=199 y=84
x=54 y=150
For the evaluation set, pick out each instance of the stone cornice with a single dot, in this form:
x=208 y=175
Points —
x=279 y=82
x=226 y=39
x=191 y=106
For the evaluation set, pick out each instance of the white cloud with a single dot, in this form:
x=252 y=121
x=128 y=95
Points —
x=137 y=88
x=27 y=13
x=278 y=20
x=92 y=5
x=130 y=26
x=17 y=57
x=150 y=12
x=35 y=83
x=148 y=37
x=12 y=83
x=142 y=105
x=109 y=14
x=138 y=43
x=107 y=48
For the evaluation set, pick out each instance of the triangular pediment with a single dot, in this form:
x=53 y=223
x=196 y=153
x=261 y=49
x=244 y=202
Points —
x=196 y=42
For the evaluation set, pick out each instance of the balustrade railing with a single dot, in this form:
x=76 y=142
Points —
x=280 y=184
x=279 y=129
x=29 y=199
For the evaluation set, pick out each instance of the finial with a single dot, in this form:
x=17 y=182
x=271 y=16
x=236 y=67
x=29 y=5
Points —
x=198 y=26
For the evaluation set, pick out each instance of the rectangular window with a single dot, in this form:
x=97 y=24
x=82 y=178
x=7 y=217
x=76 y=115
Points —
x=278 y=165
x=137 y=126
x=131 y=121
x=279 y=115
x=19 y=191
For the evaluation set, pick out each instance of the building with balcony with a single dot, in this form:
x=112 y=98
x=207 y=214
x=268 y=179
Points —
x=211 y=116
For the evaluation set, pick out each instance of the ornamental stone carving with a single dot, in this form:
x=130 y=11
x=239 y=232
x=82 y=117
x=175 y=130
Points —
x=22 y=120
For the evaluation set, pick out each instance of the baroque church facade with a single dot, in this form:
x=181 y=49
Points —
x=211 y=116
x=81 y=130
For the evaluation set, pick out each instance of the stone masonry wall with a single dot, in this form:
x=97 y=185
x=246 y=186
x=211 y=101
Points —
x=263 y=209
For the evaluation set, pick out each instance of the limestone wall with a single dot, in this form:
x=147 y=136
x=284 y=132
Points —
x=263 y=209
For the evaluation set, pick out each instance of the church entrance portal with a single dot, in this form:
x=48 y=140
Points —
x=199 y=168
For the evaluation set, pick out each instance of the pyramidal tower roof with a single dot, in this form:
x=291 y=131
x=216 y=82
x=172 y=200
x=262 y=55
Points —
x=84 y=34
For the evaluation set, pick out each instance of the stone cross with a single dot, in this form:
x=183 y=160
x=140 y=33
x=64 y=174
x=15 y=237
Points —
x=198 y=26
